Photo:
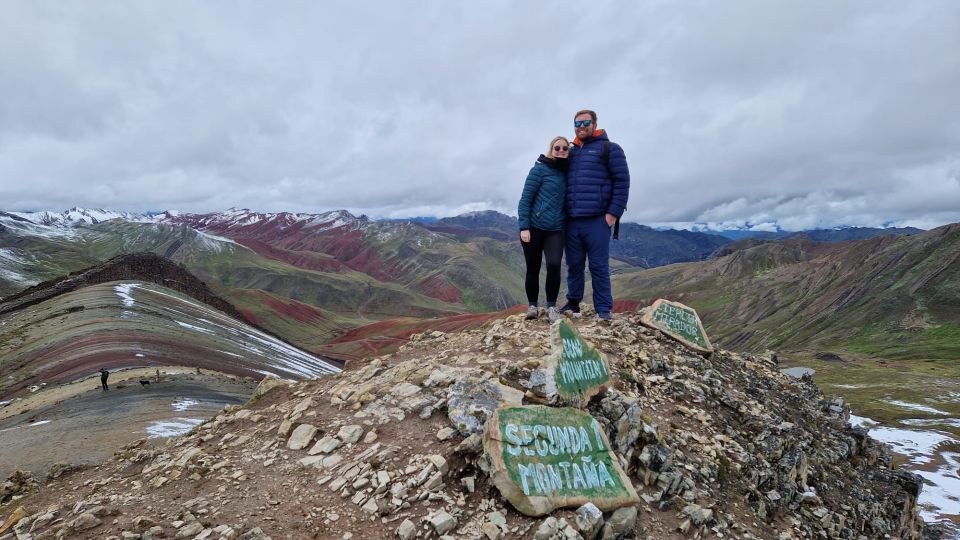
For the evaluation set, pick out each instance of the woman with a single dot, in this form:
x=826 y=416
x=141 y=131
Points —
x=541 y=224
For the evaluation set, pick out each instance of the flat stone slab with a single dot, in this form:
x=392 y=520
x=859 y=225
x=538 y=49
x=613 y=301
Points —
x=301 y=437
x=546 y=458
x=679 y=322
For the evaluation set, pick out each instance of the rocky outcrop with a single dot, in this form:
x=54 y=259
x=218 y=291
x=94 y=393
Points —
x=720 y=446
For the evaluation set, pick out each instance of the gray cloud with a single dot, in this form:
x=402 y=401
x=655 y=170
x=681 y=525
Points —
x=804 y=113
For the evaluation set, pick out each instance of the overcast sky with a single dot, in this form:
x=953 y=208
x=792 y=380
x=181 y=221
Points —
x=805 y=113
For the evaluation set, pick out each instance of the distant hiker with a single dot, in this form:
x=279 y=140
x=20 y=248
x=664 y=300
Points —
x=598 y=184
x=158 y=375
x=104 y=374
x=541 y=224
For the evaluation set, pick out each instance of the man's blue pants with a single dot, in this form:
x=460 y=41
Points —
x=589 y=238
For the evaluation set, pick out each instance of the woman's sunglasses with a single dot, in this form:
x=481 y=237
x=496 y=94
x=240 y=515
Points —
x=584 y=123
x=560 y=148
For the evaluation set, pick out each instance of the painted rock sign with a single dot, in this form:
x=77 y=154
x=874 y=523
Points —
x=679 y=322
x=579 y=370
x=546 y=458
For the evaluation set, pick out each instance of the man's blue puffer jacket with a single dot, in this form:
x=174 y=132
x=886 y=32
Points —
x=541 y=203
x=593 y=189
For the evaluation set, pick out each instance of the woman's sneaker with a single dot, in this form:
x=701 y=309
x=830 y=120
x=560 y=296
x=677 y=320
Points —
x=553 y=314
x=571 y=308
x=532 y=312
x=604 y=316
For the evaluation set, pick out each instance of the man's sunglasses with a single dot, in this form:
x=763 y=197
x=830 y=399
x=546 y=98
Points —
x=584 y=123
x=560 y=148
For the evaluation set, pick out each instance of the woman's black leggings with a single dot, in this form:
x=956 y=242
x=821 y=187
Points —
x=542 y=244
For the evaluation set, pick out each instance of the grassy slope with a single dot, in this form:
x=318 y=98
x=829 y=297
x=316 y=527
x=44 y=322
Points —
x=887 y=297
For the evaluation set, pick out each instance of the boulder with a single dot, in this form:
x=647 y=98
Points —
x=350 y=434
x=589 y=520
x=545 y=458
x=574 y=372
x=679 y=322
x=620 y=523
x=301 y=437
x=472 y=401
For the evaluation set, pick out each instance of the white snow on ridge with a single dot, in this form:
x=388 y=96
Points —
x=197 y=328
x=216 y=243
x=11 y=263
x=35 y=228
x=280 y=354
x=123 y=290
x=81 y=216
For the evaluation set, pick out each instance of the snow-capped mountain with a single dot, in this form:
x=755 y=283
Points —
x=242 y=219
x=81 y=216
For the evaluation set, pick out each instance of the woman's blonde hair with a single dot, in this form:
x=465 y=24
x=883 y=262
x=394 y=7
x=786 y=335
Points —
x=553 y=142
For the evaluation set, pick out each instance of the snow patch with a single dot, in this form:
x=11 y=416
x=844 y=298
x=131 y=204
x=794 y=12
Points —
x=916 y=407
x=123 y=290
x=196 y=328
x=940 y=497
x=182 y=404
x=172 y=428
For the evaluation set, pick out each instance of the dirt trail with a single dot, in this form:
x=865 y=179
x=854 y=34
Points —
x=80 y=424
x=52 y=395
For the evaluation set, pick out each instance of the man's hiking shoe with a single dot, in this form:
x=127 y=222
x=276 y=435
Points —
x=553 y=314
x=532 y=312
x=571 y=309
x=604 y=316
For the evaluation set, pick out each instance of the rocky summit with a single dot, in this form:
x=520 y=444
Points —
x=718 y=445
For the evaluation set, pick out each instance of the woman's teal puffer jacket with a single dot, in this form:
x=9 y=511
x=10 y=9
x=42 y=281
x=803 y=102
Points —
x=541 y=203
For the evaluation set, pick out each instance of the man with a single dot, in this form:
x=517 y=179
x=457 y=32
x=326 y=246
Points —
x=598 y=185
x=103 y=378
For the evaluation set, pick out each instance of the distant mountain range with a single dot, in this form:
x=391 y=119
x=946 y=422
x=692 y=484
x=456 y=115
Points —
x=316 y=279
x=840 y=234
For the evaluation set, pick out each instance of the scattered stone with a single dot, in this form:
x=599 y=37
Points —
x=472 y=401
x=547 y=530
x=370 y=506
x=446 y=433
x=589 y=520
x=325 y=445
x=620 y=523
x=439 y=463
x=490 y=531
x=442 y=522
x=407 y=530
x=302 y=436
x=84 y=522
x=698 y=514
x=267 y=384
x=350 y=434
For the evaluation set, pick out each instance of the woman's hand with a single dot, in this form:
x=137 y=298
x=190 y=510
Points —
x=525 y=236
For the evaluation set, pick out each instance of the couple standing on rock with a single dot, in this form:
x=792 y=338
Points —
x=572 y=199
